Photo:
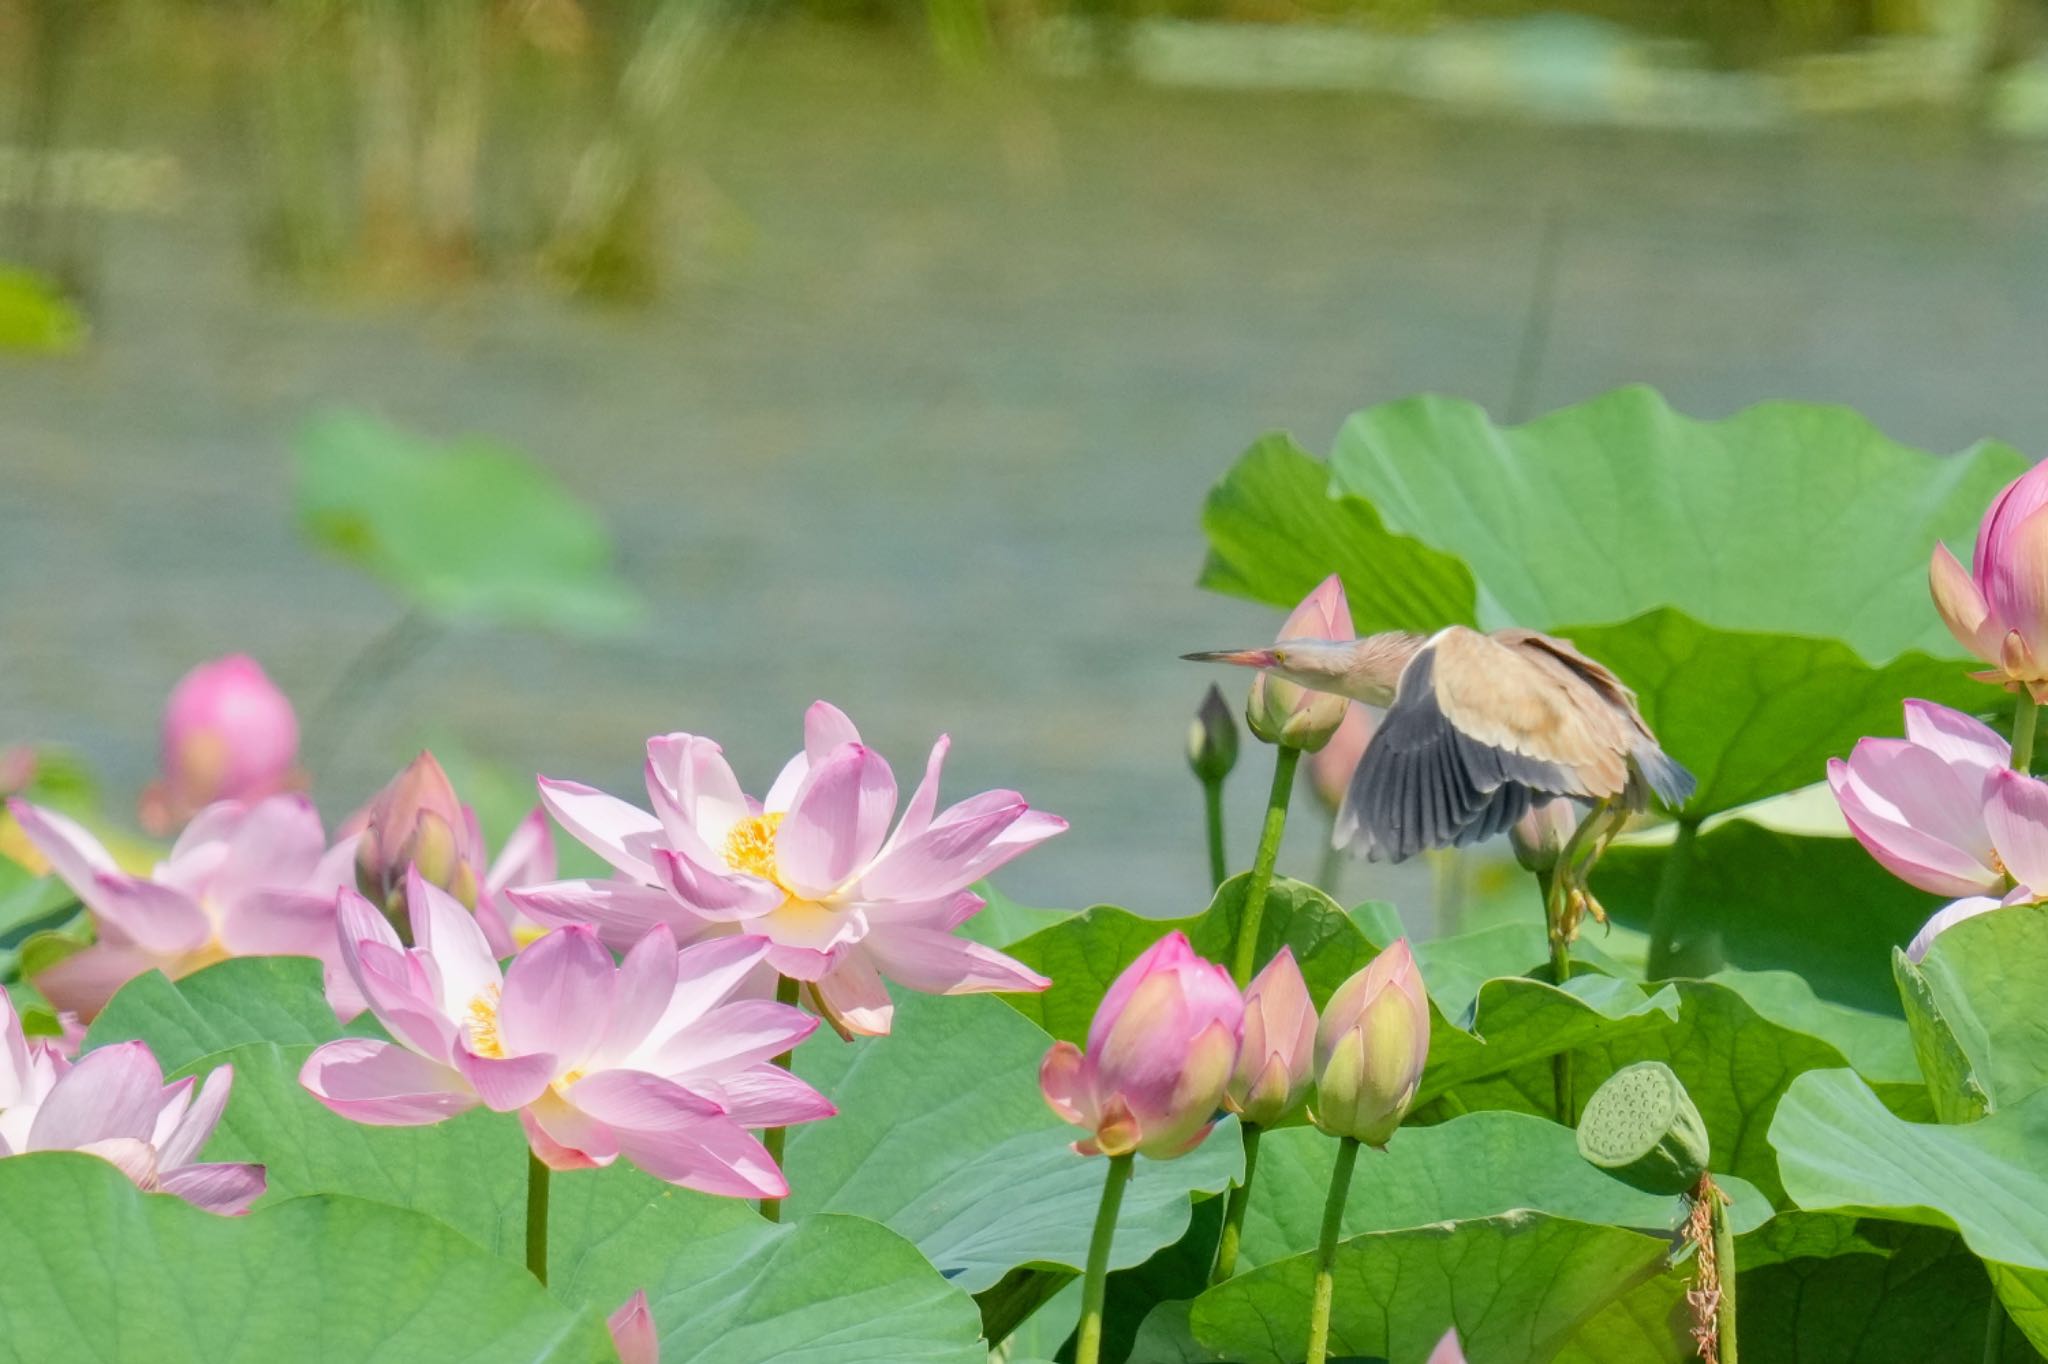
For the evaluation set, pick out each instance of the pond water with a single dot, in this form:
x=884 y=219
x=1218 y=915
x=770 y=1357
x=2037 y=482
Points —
x=927 y=427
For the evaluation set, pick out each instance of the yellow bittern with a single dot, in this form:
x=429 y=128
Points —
x=1480 y=729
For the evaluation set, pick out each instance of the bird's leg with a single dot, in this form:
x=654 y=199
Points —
x=1571 y=899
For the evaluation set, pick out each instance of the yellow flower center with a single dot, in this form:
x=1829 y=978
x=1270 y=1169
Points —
x=483 y=1024
x=750 y=847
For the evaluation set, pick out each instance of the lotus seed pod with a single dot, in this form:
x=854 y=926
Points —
x=1642 y=1128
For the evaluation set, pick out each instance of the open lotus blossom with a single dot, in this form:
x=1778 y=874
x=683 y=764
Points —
x=242 y=880
x=1371 y=1046
x=1998 y=610
x=814 y=868
x=114 y=1104
x=1922 y=805
x=1278 y=1044
x=649 y=1059
x=633 y=1333
x=228 y=734
x=1160 y=1051
x=1283 y=712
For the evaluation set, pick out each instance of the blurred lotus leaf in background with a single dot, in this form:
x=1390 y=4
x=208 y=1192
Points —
x=35 y=316
x=466 y=531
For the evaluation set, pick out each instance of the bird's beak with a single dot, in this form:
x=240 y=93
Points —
x=1243 y=658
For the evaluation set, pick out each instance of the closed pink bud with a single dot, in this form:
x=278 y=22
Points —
x=632 y=1329
x=228 y=734
x=1539 y=836
x=1998 y=610
x=1370 y=1049
x=1160 y=1051
x=1286 y=713
x=1277 y=1048
x=416 y=822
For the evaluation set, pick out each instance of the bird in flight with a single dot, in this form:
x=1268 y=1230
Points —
x=1480 y=729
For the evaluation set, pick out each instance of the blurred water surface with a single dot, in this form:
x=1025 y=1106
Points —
x=924 y=420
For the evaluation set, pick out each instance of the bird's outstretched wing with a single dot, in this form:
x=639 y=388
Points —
x=1482 y=727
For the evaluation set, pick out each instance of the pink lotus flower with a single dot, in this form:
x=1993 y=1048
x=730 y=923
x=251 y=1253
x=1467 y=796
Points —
x=242 y=880
x=633 y=1333
x=1448 y=1350
x=114 y=1104
x=527 y=859
x=1283 y=712
x=1371 y=1046
x=1539 y=836
x=1330 y=767
x=1278 y=1044
x=1159 y=1055
x=843 y=902
x=228 y=734
x=1999 y=609
x=1924 y=806
x=2016 y=817
x=647 y=1059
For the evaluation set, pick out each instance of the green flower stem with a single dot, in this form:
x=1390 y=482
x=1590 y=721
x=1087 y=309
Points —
x=537 y=1217
x=1994 y=1332
x=1285 y=760
x=1212 y=811
x=774 y=1138
x=1326 y=1252
x=1724 y=1265
x=2025 y=717
x=1088 y=1340
x=1560 y=972
x=1233 y=1211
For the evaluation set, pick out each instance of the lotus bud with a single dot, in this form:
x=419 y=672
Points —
x=1642 y=1128
x=1998 y=609
x=416 y=822
x=1539 y=836
x=1331 y=766
x=1448 y=1350
x=1370 y=1049
x=228 y=734
x=1159 y=1056
x=1286 y=713
x=1278 y=1046
x=632 y=1331
x=1212 y=738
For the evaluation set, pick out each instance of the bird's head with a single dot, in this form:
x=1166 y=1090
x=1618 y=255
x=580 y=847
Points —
x=1320 y=664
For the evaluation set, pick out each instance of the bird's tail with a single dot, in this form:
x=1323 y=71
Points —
x=1664 y=774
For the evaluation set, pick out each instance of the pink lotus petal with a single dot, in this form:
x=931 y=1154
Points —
x=944 y=913
x=621 y=834
x=165 y=921
x=621 y=911
x=565 y=1137
x=383 y=1084
x=826 y=728
x=917 y=815
x=836 y=822
x=1063 y=1079
x=280 y=923
x=810 y=938
x=641 y=993
x=227 y=1189
x=558 y=996
x=2016 y=584
x=188 y=1136
x=787 y=783
x=111 y=1093
x=509 y=1082
x=633 y=1334
x=768 y=1096
x=1170 y=953
x=715 y=894
x=706 y=975
x=83 y=982
x=637 y=1100
x=1917 y=842
x=729 y=1038
x=2017 y=815
x=450 y=934
x=853 y=996
x=1447 y=1350
x=74 y=854
x=1947 y=917
x=1960 y=740
x=1962 y=606
x=937 y=963
x=277 y=844
x=711 y=1157
x=528 y=857
x=694 y=791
